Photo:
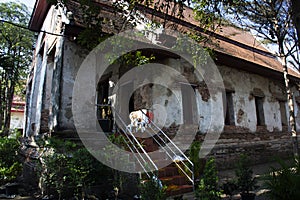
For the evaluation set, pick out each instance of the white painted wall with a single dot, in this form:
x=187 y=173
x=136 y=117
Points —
x=16 y=120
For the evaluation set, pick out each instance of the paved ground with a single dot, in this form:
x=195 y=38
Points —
x=260 y=195
x=19 y=198
x=258 y=170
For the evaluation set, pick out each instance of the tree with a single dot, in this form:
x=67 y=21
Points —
x=296 y=17
x=272 y=20
x=15 y=55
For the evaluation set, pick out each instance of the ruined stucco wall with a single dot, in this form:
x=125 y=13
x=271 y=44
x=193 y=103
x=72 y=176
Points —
x=35 y=96
x=167 y=98
x=296 y=98
x=261 y=143
x=44 y=96
x=245 y=87
x=73 y=56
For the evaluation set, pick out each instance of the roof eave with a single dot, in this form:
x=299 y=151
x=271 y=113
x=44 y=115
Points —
x=38 y=16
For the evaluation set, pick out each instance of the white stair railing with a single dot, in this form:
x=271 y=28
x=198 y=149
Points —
x=172 y=150
x=164 y=142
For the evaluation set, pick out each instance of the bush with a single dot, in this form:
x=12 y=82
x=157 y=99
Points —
x=194 y=157
x=245 y=180
x=152 y=190
x=10 y=166
x=70 y=173
x=284 y=183
x=208 y=188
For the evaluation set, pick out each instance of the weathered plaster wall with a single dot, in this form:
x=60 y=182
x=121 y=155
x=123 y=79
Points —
x=262 y=143
x=245 y=86
x=296 y=107
x=72 y=59
x=40 y=110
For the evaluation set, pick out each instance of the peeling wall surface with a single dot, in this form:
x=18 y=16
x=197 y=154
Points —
x=243 y=86
x=257 y=104
x=43 y=98
x=73 y=57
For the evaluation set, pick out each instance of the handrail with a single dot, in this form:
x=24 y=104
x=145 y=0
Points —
x=137 y=158
x=135 y=139
x=176 y=147
x=128 y=132
x=190 y=170
x=133 y=145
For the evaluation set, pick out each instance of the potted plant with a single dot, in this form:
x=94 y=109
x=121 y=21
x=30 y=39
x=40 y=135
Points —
x=229 y=188
x=245 y=181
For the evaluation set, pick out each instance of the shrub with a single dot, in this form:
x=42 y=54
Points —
x=66 y=174
x=152 y=190
x=10 y=166
x=208 y=188
x=245 y=180
x=194 y=157
x=284 y=183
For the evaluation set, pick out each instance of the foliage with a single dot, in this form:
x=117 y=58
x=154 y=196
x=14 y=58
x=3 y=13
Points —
x=275 y=24
x=136 y=58
x=296 y=17
x=67 y=174
x=284 y=183
x=10 y=166
x=59 y=145
x=119 y=140
x=194 y=157
x=229 y=187
x=15 y=56
x=152 y=190
x=129 y=13
x=208 y=188
x=245 y=180
x=208 y=13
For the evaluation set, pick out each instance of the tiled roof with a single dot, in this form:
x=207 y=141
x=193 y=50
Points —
x=235 y=42
x=231 y=40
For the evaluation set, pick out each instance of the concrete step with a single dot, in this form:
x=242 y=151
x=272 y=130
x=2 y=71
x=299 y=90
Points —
x=174 y=190
x=174 y=180
x=167 y=172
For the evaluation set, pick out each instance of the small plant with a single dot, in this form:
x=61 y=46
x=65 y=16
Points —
x=208 y=188
x=152 y=190
x=245 y=180
x=67 y=172
x=229 y=188
x=10 y=166
x=194 y=157
x=284 y=183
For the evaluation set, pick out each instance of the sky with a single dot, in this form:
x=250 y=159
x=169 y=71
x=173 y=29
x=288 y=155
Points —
x=28 y=3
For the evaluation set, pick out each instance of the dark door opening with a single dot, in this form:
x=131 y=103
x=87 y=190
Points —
x=104 y=111
x=189 y=106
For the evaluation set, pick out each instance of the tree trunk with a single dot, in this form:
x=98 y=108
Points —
x=290 y=101
x=296 y=17
x=1 y=101
x=10 y=96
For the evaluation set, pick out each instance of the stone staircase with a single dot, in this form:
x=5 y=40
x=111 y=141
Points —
x=170 y=176
x=158 y=151
x=177 y=184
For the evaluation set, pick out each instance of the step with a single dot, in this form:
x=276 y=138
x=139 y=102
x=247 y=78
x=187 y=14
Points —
x=173 y=190
x=174 y=180
x=168 y=171
x=162 y=163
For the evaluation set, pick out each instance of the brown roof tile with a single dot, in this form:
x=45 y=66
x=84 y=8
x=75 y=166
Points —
x=232 y=41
